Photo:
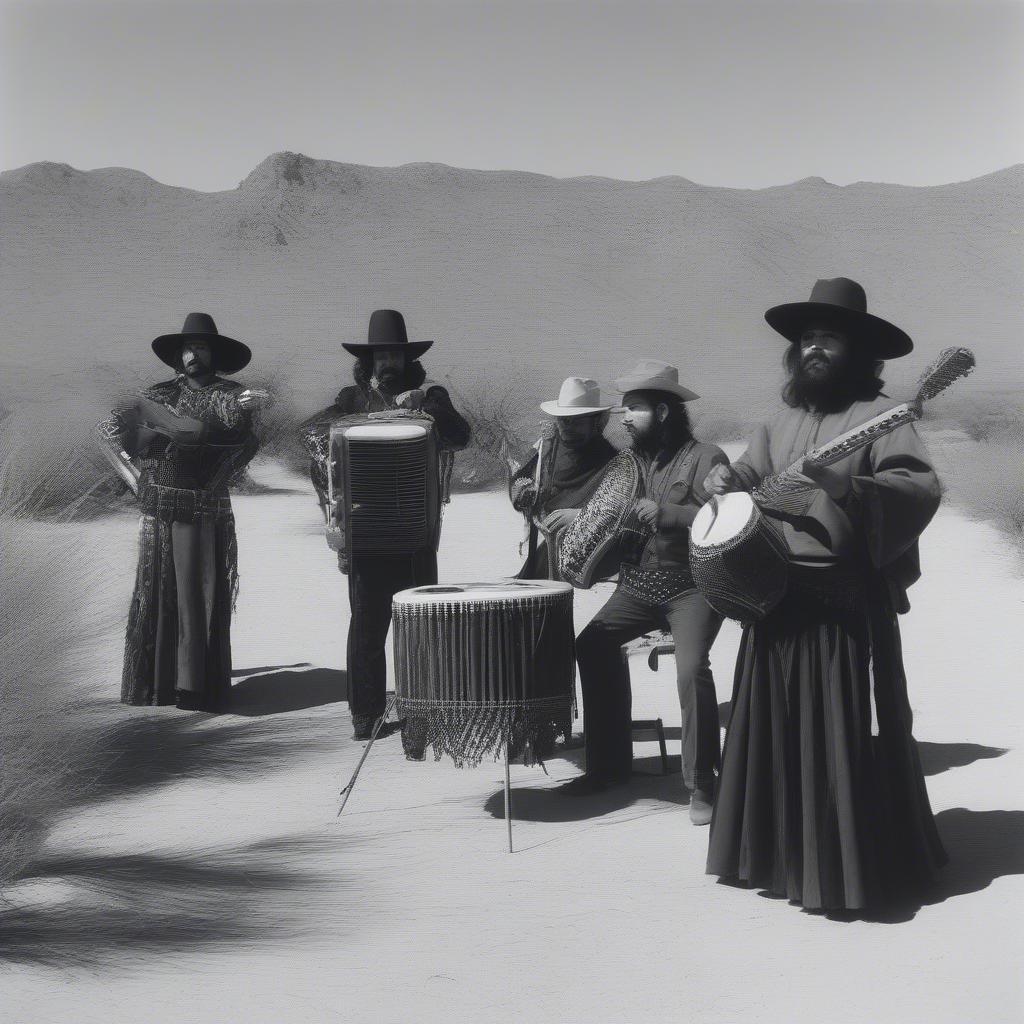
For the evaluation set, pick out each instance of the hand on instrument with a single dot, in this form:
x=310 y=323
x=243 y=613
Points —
x=833 y=483
x=646 y=511
x=721 y=480
x=559 y=519
x=410 y=399
x=524 y=498
x=335 y=538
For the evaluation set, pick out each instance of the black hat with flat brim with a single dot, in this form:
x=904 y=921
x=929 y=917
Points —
x=387 y=332
x=845 y=303
x=229 y=356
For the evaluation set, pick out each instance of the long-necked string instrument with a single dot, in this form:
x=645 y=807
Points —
x=737 y=554
x=790 y=490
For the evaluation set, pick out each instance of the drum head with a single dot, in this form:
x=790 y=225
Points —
x=472 y=593
x=722 y=518
x=385 y=431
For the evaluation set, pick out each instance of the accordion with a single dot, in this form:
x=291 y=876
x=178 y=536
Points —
x=384 y=485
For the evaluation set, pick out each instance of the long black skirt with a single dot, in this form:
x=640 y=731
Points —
x=813 y=803
x=158 y=654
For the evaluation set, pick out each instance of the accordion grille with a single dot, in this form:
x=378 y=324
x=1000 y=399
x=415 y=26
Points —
x=388 y=495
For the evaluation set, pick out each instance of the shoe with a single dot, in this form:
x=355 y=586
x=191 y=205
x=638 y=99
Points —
x=362 y=728
x=190 y=700
x=702 y=803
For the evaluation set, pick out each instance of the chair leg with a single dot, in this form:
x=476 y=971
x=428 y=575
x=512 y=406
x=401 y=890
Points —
x=664 y=750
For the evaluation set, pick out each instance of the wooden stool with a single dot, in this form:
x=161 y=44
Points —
x=658 y=642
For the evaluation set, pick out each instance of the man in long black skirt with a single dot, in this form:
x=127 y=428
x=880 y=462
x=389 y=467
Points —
x=821 y=796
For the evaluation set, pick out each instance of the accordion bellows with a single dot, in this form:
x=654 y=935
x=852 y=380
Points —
x=383 y=484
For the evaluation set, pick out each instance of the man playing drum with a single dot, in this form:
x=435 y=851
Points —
x=655 y=589
x=561 y=476
x=388 y=375
x=815 y=804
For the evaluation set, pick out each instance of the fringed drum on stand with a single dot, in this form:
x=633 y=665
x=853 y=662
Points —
x=485 y=669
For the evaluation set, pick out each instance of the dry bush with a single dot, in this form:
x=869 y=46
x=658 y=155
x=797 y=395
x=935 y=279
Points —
x=504 y=419
x=51 y=466
x=278 y=423
x=983 y=478
x=52 y=608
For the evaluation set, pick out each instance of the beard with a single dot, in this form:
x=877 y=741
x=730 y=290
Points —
x=819 y=381
x=644 y=439
x=195 y=368
x=390 y=379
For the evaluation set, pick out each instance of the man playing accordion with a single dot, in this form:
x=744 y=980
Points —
x=388 y=376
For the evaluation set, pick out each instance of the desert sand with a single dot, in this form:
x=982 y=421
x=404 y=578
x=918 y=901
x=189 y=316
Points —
x=214 y=883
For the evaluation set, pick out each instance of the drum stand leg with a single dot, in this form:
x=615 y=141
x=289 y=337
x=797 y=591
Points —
x=347 y=791
x=508 y=802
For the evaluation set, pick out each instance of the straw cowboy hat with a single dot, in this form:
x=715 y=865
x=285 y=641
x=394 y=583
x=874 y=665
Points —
x=578 y=396
x=654 y=375
x=387 y=331
x=229 y=356
x=844 y=301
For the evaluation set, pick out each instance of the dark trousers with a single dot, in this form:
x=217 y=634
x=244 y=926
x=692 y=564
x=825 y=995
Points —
x=372 y=582
x=607 y=700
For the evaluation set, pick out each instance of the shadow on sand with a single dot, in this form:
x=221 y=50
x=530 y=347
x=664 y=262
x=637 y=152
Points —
x=982 y=846
x=82 y=909
x=937 y=758
x=548 y=804
x=277 y=692
x=150 y=748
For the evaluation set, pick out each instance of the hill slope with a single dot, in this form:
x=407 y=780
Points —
x=506 y=270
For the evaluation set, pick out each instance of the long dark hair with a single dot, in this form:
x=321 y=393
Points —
x=860 y=381
x=671 y=434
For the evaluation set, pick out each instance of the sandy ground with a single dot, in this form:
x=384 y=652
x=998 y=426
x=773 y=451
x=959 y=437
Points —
x=213 y=882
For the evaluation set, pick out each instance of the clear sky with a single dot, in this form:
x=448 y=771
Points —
x=733 y=93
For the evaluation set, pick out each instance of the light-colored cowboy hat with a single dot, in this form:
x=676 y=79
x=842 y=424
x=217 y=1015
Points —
x=654 y=375
x=844 y=301
x=578 y=396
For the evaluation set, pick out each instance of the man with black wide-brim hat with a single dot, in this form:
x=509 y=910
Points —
x=821 y=797
x=388 y=375
x=179 y=444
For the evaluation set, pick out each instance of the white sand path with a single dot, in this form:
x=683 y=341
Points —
x=409 y=909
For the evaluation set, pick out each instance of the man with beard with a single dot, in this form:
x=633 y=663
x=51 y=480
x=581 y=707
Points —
x=179 y=444
x=655 y=590
x=812 y=805
x=571 y=461
x=388 y=375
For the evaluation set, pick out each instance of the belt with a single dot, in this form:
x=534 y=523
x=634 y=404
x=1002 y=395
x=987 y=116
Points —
x=653 y=585
x=182 y=504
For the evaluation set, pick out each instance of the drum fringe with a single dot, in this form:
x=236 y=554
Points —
x=469 y=737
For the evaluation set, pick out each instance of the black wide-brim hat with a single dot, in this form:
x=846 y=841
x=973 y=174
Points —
x=387 y=332
x=229 y=356
x=844 y=302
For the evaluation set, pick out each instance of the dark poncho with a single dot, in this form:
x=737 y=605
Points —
x=569 y=477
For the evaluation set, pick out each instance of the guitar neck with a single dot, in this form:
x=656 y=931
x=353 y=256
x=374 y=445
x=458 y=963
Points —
x=860 y=436
x=775 y=489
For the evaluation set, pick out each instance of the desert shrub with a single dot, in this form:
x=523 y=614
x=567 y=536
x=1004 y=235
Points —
x=505 y=421
x=984 y=479
x=278 y=424
x=50 y=462
x=52 y=608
